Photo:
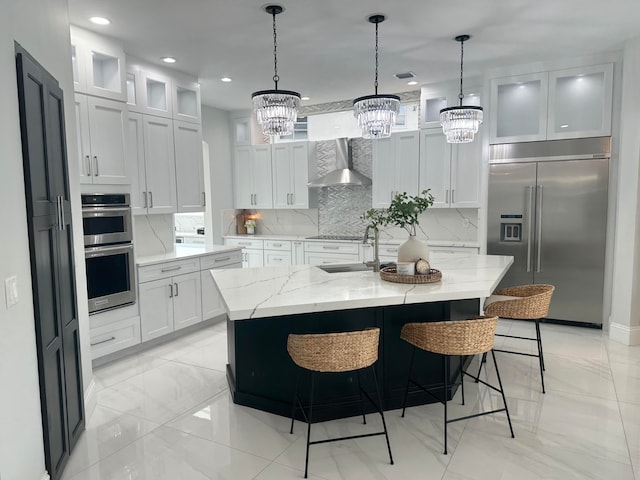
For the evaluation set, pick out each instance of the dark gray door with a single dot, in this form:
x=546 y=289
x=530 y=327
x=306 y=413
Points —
x=52 y=269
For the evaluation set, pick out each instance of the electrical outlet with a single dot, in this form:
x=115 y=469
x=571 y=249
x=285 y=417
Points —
x=11 y=290
x=465 y=222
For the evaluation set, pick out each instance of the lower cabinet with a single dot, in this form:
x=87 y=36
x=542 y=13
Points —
x=115 y=336
x=252 y=251
x=170 y=304
x=211 y=301
x=317 y=253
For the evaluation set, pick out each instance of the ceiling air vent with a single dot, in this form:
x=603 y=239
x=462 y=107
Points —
x=403 y=76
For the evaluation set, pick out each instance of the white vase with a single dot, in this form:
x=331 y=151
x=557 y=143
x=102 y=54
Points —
x=413 y=250
x=251 y=230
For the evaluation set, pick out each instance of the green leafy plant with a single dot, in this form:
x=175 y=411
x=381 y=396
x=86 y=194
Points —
x=402 y=212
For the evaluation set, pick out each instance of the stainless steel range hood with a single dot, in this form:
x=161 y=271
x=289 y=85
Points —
x=344 y=174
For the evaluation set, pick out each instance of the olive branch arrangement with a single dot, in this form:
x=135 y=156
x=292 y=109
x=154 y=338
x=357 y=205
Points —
x=402 y=212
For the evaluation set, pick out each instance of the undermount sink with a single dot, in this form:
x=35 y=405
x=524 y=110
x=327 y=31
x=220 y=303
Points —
x=346 y=267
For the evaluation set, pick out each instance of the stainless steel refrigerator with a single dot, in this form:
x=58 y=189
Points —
x=548 y=208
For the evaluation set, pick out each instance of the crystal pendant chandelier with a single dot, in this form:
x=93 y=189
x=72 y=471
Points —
x=376 y=114
x=276 y=110
x=460 y=123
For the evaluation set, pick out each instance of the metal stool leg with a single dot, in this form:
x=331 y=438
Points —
x=406 y=392
x=364 y=419
x=483 y=360
x=540 y=343
x=384 y=424
x=295 y=398
x=306 y=460
x=506 y=408
x=462 y=377
x=446 y=395
x=540 y=361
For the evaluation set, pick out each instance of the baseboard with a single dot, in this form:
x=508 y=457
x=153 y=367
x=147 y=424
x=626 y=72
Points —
x=46 y=476
x=90 y=400
x=624 y=334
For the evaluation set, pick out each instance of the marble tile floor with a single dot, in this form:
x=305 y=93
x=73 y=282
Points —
x=167 y=413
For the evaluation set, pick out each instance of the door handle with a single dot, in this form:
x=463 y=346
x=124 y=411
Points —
x=144 y=199
x=255 y=199
x=446 y=196
x=530 y=222
x=95 y=160
x=88 y=159
x=110 y=339
x=204 y=199
x=176 y=285
x=539 y=212
x=171 y=269
x=452 y=196
x=150 y=199
x=170 y=290
x=293 y=199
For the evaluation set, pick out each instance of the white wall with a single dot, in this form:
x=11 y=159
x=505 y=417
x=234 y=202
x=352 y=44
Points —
x=625 y=311
x=216 y=131
x=41 y=27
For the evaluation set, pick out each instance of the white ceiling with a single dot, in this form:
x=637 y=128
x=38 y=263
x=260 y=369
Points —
x=325 y=47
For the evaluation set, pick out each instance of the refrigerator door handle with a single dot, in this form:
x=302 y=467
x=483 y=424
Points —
x=529 y=232
x=539 y=227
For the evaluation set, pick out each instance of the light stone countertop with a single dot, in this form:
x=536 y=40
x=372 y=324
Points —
x=383 y=241
x=185 y=251
x=251 y=293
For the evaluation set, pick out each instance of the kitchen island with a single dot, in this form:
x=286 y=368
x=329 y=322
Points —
x=265 y=305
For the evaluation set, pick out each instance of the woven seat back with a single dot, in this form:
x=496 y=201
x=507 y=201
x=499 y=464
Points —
x=335 y=352
x=534 y=302
x=454 y=337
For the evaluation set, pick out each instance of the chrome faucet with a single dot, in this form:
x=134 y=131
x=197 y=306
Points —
x=375 y=263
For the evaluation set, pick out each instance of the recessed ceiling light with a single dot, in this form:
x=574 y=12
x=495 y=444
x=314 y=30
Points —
x=168 y=60
x=305 y=98
x=100 y=20
x=564 y=126
x=225 y=79
x=412 y=82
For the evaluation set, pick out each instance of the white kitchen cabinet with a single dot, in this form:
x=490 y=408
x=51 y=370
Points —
x=115 y=336
x=277 y=253
x=450 y=171
x=297 y=252
x=186 y=101
x=211 y=300
x=252 y=179
x=571 y=103
x=155 y=188
x=169 y=296
x=395 y=167
x=290 y=164
x=318 y=253
x=153 y=94
x=189 y=167
x=435 y=98
x=98 y=65
x=252 y=251
x=102 y=141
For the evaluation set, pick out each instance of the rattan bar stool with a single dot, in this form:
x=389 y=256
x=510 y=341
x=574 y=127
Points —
x=333 y=353
x=527 y=302
x=451 y=338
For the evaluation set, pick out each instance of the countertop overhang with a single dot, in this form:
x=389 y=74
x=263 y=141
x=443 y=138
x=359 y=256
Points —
x=252 y=293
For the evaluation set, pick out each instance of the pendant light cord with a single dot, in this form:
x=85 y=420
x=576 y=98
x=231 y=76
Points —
x=276 y=78
x=375 y=83
x=461 y=95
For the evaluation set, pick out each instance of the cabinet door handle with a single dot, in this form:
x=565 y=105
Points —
x=222 y=259
x=293 y=199
x=277 y=244
x=88 y=159
x=150 y=199
x=446 y=196
x=95 y=160
x=392 y=250
x=452 y=196
x=176 y=285
x=144 y=199
x=255 y=199
x=103 y=341
x=170 y=290
x=244 y=243
x=330 y=247
x=204 y=199
x=171 y=269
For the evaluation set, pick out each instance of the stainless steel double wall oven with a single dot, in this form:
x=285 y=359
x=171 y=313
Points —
x=108 y=250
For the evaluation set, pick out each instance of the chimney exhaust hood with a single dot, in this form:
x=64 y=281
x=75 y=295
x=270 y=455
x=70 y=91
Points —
x=344 y=174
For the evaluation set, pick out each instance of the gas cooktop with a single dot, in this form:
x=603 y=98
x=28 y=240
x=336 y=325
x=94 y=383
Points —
x=335 y=237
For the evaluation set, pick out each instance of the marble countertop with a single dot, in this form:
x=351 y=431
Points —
x=383 y=241
x=271 y=291
x=185 y=251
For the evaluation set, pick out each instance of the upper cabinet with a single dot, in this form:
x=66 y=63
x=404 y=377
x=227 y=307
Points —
x=186 y=101
x=451 y=171
x=102 y=142
x=571 y=103
x=395 y=167
x=98 y=65
x=189 y=167
x=252 y=184
x=290 y=165
x=434 y=99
